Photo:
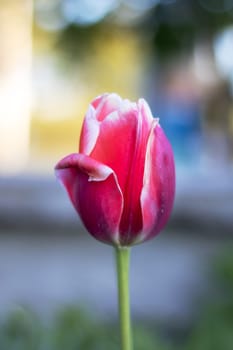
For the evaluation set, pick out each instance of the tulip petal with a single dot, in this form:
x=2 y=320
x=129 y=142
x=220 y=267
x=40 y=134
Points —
x=158 y=185
x=89 y=132
x=95 y=103
x=131 y=123
x=145 y=112
x=106 y=105
x=132 y=221
x=95 y=194
x=117 y=153
x=101 y=108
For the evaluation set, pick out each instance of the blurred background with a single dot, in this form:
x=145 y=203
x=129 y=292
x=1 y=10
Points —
x=55 y=280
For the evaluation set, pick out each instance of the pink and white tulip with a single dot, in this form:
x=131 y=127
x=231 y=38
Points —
x=122 y=181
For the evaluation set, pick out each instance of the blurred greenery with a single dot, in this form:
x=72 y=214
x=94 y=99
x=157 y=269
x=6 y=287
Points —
x=169 y=29
x=223 y=269
x=177 y=27
x=213 y=330
x=73 y=328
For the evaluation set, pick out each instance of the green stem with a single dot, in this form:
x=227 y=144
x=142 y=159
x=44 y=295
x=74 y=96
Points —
x=122 y=258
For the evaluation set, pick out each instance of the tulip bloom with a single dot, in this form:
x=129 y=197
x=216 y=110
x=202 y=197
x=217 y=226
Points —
x=122 y=181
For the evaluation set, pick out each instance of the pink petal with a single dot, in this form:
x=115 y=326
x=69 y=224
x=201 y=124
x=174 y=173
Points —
x=116 y=143
x=98 y=100
x=131 y=221
x=108 y=104
x=159 y=184
x=98 y=110
x=95 y=194
x=121 y=122
x=121 y=145
x=89 y=132
x=145 y=111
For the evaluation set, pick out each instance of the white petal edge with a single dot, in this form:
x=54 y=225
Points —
x=155 y=123
x=113 y=99
x=145 y=110
x=90 y=131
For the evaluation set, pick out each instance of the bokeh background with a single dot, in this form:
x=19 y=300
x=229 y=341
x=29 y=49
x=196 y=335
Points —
x=57 y=284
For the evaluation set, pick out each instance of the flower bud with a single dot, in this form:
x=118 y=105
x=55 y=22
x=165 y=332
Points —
x=122 y=181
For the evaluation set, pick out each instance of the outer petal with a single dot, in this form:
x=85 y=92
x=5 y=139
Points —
x=159 y=184
x=145 y=112
x=116 y=143
x=95 y=194
x=90 y=132
x=132 y=221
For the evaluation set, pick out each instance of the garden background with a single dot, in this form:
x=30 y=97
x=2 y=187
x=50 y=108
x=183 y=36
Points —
x=55 y=280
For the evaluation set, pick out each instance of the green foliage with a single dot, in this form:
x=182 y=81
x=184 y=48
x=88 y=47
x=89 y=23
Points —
x=224 y=271
x=72 y=329
x=21 y=331
x=171 y=40
x=173 y=28
x=75 y=329
x=77 y=42
x=144 y=340
x=214 y=331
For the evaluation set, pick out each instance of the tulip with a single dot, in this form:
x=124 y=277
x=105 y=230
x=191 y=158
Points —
x=122 y=181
